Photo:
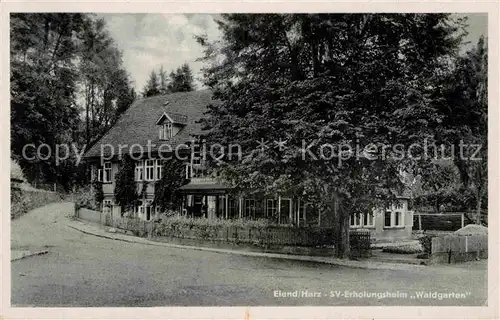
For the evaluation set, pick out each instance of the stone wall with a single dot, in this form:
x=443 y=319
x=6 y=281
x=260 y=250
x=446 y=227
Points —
x=24 y=198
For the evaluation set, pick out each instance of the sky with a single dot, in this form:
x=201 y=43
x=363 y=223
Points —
x=149 y=41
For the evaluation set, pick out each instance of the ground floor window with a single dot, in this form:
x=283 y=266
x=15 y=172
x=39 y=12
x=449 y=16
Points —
x=221 y=206
x=393 y=219
x=355 y=220
x=199 y=206
x=308 y=213
x=271 y=207
x=285 y=210
x=302 y=207
x=398 y=219
x=233 y=207
x=198 y=200
x=358 y=220
x=368 y=220
x=249 y=208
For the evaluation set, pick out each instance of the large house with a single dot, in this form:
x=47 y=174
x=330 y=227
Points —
x=163 y=124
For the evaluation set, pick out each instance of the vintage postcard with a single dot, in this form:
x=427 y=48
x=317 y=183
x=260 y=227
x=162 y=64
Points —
x=273 y=160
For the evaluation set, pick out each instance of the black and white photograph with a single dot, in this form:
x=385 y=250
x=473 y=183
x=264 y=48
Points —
x=249 y=159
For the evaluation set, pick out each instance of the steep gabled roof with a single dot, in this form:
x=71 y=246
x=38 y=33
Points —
x=138 y=124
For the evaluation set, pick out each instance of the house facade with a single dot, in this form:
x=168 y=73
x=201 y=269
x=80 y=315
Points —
x=392 y=223
x=156 y=128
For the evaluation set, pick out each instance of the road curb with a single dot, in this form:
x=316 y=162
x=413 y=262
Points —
x=332 y=261
x=36 y=253
x=107 y=237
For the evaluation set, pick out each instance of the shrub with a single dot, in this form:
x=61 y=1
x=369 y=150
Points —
x=24 y=200
x=205 y=231
x=408 y=248
x=18 y=203
x=125 y=186
x=167 y=194
x=15 y=171
x=133 y=225
x=85 y=198
x=165 y=215
x=98 y=193
x=426 y=243
x=239 y=230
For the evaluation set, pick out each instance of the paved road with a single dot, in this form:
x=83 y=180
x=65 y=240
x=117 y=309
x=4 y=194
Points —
x=84 y=270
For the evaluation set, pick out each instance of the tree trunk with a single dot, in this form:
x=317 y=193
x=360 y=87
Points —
x=46 y=34
x=345 y=239
x=341 y=226
x=478 y=206
x=87 y=114
x=92 y=110
x=478 y=214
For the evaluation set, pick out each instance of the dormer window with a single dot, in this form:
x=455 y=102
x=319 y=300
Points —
x=169 y=124
x=166 y=130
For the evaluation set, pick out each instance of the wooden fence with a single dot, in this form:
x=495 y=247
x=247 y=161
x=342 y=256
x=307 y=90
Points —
x=360 y=243
x=445 y=221
x=265 y=236
x=459 y=248
x=438 y=221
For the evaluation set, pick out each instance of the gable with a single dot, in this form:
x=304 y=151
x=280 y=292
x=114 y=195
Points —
x=174 y=118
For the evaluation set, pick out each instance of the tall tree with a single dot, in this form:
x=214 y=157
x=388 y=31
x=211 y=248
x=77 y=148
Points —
x=321 y=80
x=60 y=62
x=162 y=74
x=188 y=80
x=43 y=89
x=465 y=121
x=152 y=87
x=106 y=86
x=126 y=98
x=440 y=187
x=182 y=79
x=179 y=80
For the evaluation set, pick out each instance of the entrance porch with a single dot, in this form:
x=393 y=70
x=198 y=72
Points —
x=212 y=200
